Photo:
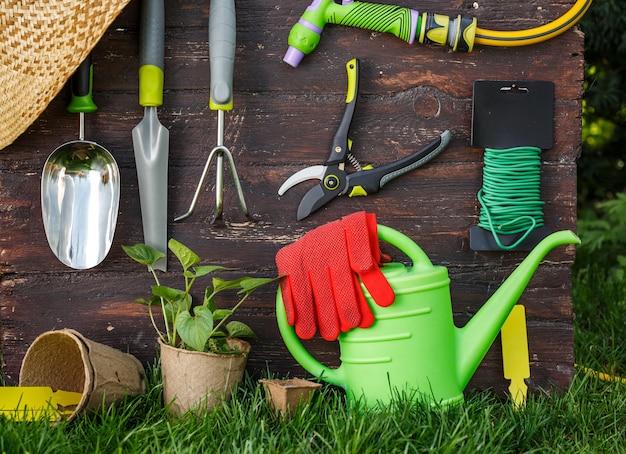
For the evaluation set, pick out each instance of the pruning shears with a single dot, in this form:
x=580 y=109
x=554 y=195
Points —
x=334 y=181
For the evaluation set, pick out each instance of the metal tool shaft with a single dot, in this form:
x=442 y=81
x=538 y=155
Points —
x=222 y=33
x=218 y=152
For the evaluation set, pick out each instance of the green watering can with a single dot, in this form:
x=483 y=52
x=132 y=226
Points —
x=413 y=349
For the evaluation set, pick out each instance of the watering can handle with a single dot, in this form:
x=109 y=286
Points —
x=406 y=245
x=288 y=333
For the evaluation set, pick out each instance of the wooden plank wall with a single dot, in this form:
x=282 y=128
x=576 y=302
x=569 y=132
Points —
x=283 y=120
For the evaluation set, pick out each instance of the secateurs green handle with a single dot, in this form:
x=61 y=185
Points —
x=334 y=181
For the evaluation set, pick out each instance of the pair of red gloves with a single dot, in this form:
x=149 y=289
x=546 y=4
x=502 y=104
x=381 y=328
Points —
x=320 y=287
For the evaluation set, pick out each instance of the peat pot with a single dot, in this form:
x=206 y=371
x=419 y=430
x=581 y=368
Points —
x=198 y=381
x=66 y=360
x=284 y=396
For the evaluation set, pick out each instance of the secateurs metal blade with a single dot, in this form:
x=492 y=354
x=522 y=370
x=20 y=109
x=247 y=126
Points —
x=334 y=181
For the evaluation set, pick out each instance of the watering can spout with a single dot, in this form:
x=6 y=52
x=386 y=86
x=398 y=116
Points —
x=475 y=338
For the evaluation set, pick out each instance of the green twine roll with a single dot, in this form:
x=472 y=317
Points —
x=510 y=199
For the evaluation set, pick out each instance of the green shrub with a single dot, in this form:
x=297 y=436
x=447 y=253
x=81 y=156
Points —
x=602 y=230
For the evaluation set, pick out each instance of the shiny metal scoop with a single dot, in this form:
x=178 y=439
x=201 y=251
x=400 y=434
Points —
x=80 y=191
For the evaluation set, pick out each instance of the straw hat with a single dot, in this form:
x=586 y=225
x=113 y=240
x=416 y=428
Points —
x=42 y=42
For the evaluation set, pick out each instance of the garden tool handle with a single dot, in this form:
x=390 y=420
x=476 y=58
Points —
x=404 y=23
x=302 y=356
x=341 y=144
x=405 y=244
x=369 y=181
x=151 y=53
x=222 y=36
x=81 y=84
x=306 y=33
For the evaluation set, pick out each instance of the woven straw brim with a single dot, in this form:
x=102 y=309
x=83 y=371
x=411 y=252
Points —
x=42 y=42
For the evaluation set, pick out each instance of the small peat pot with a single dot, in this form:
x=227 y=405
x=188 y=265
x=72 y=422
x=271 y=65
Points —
x=284 y=396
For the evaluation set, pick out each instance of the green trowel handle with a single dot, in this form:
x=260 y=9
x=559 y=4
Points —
x=81 y=89
x=305 y=359
x=151 y=53
x=222 y=35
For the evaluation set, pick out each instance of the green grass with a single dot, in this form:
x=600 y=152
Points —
x=600 y=327
x=588 y=417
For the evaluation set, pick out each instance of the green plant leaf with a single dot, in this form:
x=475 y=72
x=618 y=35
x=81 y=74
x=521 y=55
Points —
x=209 y=299
x=144 y=254
x=220 y=284
x=194 y=330
x=169 y=312
x=240 y=330
x=169 y=293
x=219 y=314
x=152 y=301
x=250 y=284
x=185 y=256
x=203 y=270
x=219 y=345
x=174 y=307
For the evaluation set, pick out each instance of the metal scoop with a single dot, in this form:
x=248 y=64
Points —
x=222 y=35
x=80 y=189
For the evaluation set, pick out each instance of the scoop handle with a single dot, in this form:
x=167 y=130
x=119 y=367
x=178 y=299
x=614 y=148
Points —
x=82 y=85
x=151 y=53
x=222 y=36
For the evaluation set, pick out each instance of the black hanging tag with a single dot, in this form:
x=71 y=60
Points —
x=512 y=113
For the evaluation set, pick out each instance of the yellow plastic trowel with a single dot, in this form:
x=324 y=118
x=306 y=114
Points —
x=515 y=354
x=28 y=403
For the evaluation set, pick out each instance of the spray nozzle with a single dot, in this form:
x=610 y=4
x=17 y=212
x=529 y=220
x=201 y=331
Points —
x=407 y=24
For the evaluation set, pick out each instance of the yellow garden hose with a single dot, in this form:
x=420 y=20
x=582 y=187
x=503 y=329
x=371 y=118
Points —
x=601 y=375
x=459 y=32
x=533 y=35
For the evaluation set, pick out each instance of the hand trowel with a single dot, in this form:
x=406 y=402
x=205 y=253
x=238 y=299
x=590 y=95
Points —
x=150 y=137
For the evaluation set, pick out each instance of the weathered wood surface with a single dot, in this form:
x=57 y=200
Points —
x=283 y=120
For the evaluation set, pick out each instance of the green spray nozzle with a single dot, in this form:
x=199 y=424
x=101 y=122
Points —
x=405 y=23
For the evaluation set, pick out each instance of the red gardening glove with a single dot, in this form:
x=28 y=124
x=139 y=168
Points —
x=340 y=302
x=363 y=248
x=294 y=286
x=319 y=286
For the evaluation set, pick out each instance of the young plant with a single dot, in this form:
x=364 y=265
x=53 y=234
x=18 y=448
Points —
x=202 y=327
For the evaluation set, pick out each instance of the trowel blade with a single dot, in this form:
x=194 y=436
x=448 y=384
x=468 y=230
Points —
x=151 y=145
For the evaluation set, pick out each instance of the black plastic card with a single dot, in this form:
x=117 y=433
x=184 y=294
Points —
x=512 y=113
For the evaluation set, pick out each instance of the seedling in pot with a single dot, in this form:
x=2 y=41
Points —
x=202 y=327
